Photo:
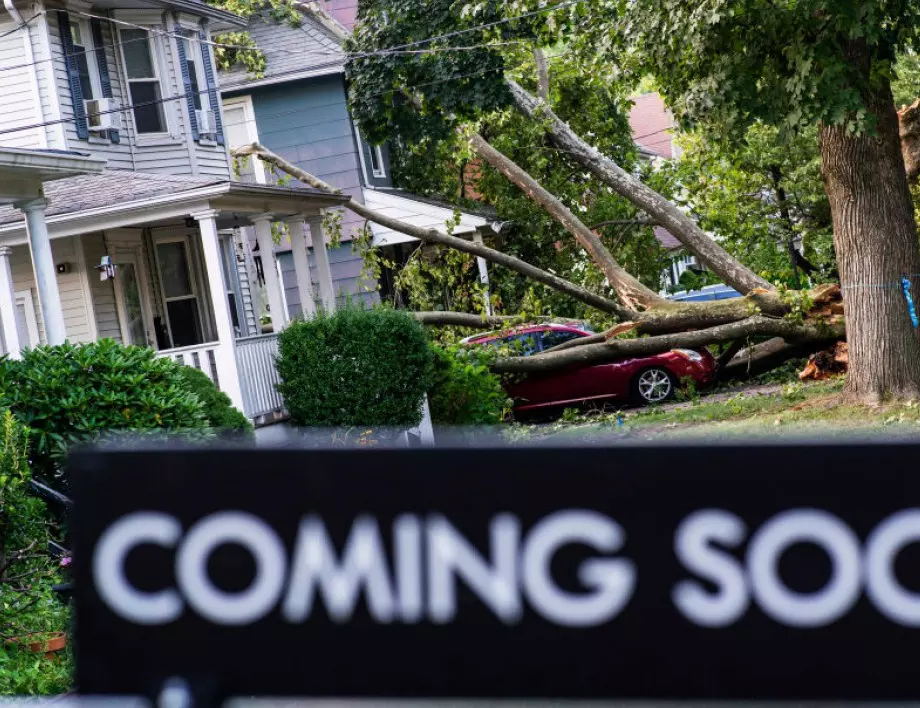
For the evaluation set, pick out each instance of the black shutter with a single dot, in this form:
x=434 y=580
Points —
x=104 y=78
x=212 y=86
x=73 y=76
x=187 y=84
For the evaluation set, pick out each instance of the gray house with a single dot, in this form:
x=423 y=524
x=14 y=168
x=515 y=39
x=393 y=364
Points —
x=298 y=109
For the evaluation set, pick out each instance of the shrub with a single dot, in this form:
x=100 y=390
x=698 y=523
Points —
x=72 y=393
x=464 y=391
x=218 y=409
x=355 y=368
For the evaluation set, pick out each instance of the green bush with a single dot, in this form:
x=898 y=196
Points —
x=69 y=394
x=355 y=368
x=464 y=391
x=218 y=409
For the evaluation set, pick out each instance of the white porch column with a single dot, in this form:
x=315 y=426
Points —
x=483 y=274
x=321 y=255
x=302 y=267
x=8 y=305
x=263 y=227
x=227 y=371
x=45 y=273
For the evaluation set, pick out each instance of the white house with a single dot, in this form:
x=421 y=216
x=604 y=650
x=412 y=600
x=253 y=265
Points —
x=114 y=106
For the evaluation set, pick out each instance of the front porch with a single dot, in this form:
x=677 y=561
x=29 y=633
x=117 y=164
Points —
x=184 y=279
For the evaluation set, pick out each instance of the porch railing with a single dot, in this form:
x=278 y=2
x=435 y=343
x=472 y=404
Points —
x=198 y=356
x=255 y=359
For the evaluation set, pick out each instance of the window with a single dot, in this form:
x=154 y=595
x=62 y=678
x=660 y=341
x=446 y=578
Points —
x=553 y=338
x=85 y=59
x=195 y=71
x=179 y=295
x=240 y=129
x=143 y=81
x=377 y=162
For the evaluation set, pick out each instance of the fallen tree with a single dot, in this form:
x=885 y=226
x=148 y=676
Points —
x=668 y=325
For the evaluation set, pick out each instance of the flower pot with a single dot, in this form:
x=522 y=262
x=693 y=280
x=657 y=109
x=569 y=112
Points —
x=51 y=644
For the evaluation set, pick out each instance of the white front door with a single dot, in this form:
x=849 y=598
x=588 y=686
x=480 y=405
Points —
x=131 y=297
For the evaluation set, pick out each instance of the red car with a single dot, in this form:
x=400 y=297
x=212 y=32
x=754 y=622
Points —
x=652 y=379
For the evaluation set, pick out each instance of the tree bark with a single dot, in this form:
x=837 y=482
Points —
x=463 y=319
x=433 y=236
x=875 y=237
x=632 y=292
x=782 y=202
x=664 y=212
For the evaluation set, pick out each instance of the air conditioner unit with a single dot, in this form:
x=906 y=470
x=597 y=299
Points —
x=102 y=114
x=207 y=124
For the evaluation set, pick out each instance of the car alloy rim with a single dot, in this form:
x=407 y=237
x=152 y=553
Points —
x=654 y=385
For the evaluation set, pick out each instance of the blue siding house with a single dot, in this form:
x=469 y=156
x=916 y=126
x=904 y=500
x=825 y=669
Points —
x=298 y=109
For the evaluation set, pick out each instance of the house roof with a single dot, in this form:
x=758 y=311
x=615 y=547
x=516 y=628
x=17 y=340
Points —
x=666 y=238
x=291 y=53
x=412 y=210
x=121 y=191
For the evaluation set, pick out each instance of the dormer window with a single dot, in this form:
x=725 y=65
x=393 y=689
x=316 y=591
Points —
x=377 y=168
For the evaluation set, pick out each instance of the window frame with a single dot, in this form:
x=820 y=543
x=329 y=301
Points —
x=379 y=172
x=156 y=64
x=87 y=49
x=244 y=103
x=194 y=283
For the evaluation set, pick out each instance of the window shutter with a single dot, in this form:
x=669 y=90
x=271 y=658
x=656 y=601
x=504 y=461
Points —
x=187 y=84
x=212 y=85
x=73 y=76
x=104 y=78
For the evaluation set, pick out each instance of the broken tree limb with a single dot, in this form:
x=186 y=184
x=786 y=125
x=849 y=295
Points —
x=614 y=349
x=433 y=236
x=539 y=57
x=629 y=289
x=729 y=354
x=464 y=319
x=666 y=213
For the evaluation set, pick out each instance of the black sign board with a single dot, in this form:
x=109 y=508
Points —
x=710 y=572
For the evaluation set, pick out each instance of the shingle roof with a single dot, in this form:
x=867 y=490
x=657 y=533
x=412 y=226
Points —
x=288 y=51
x=667 y=239
x=112 y=187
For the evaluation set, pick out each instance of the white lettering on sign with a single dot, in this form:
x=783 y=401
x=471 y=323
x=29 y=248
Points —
x=515 y=567
x=429 y=556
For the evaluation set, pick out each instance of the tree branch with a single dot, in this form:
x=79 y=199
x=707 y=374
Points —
x=632 y=292
x=433 y=236
x=663 y=211
x=614 y=349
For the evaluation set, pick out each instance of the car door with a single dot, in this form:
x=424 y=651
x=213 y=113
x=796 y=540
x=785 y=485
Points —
x=572 y=384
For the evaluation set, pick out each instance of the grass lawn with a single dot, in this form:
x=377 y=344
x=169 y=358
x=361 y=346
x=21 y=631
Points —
x=781 y=410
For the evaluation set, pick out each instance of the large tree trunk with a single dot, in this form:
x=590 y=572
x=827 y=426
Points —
x=875 y=236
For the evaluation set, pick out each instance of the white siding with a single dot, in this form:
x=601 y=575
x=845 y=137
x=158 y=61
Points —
x=20 y=107
x=103 y=291
x=73 y=298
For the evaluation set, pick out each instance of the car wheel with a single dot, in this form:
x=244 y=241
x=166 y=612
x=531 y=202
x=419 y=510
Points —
x=654 y=385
